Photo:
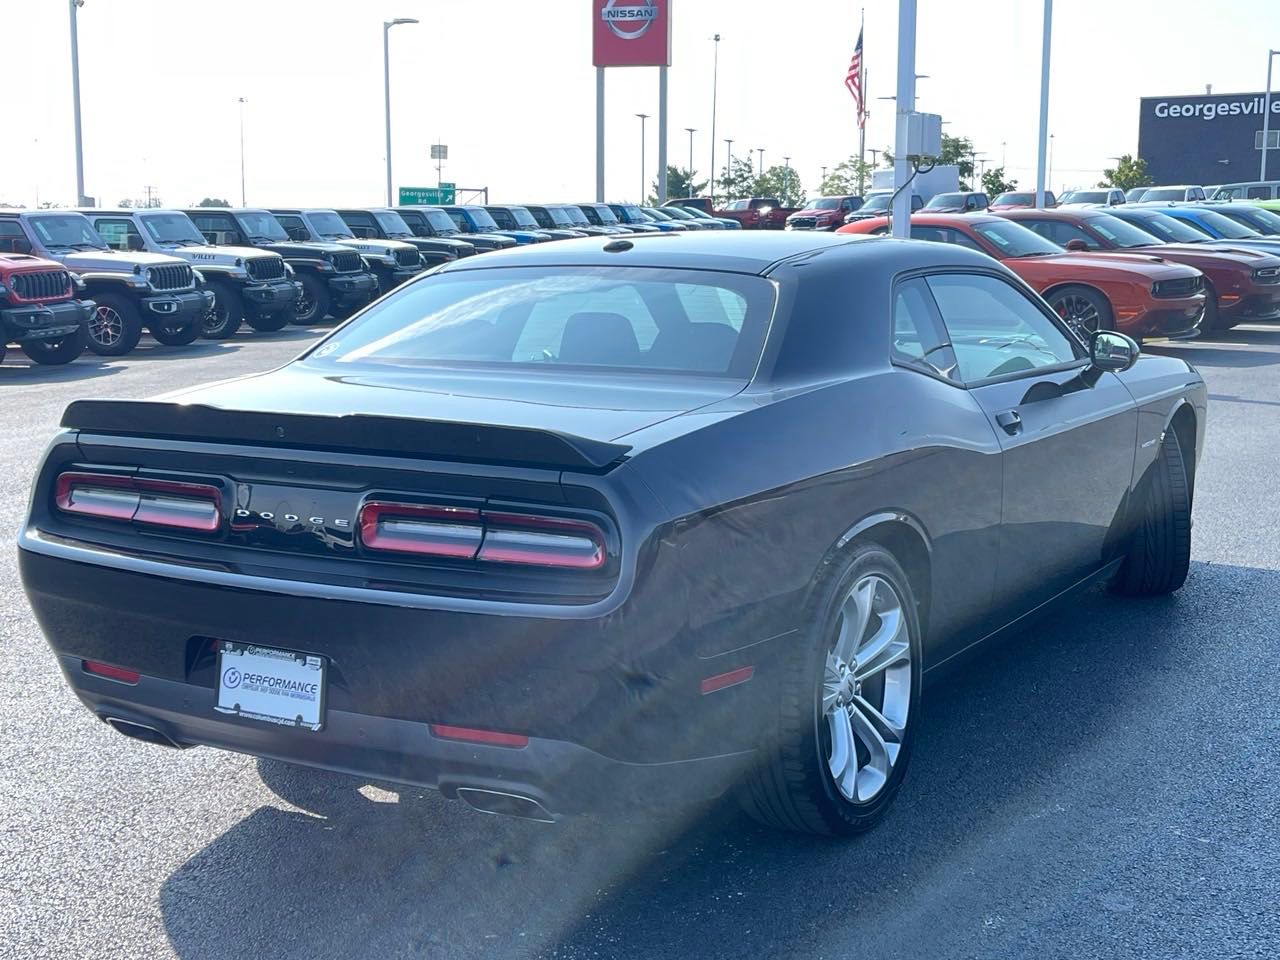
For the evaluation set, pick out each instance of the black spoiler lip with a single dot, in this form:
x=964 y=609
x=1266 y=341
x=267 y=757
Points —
x=395 y=436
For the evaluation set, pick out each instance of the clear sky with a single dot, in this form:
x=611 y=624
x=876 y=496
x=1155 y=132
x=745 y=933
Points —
x=509 y=86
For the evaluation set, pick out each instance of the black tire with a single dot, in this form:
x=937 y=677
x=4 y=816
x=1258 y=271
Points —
x=176 y=334
x=271 y=322
x=315 y=303
x=1212 y=321
x=115 y=327
x=792 y=787
x=1160 y=553
x=55 y=352
x=1066 y=302
x=224 y=319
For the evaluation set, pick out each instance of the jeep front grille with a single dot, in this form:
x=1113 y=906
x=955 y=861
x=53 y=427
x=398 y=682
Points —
x=44 y=285
x=175 y=277
x=408 y=258
x=346 y=262
x=265 y=268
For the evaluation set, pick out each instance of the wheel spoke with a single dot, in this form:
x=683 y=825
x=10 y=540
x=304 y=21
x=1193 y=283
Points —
x=873 y=775
x=854 y=616
x=843 y=760
x=832 y=683
x=887 y=646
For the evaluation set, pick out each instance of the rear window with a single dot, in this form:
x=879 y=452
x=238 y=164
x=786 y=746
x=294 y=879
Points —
x=635 y=319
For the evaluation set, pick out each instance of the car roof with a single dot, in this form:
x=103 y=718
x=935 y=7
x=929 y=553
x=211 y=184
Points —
x=755 y=252
x=1057 y=213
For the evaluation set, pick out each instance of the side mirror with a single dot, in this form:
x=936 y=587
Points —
x=134 y=243
x=1076 y=245
x=1112 y=351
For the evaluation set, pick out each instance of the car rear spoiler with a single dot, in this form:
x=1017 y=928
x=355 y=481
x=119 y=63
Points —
x=394 y=436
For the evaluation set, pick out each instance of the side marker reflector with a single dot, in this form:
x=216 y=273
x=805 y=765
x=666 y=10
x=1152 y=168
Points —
x=722 y=681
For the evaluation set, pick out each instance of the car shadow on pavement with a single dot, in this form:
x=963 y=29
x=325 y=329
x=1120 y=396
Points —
x=357 y=869
x=23 y=372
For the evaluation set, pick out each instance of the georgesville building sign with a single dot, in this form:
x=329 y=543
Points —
x=1207 y=139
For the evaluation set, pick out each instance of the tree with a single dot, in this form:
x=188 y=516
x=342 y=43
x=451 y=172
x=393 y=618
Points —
x=213 y=202
x=736 y=180
x=11 y=206
x=51 y=205
x=125 y=204
x=781 y=182
x=1129 y=172
x=680 y=183
x=994 y=183
x=845 y=178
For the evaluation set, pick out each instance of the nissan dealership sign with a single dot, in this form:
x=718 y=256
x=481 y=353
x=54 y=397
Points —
x=631 y=33
x=1206 y=138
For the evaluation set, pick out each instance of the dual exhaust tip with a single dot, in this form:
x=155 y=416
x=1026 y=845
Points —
x=496 y=802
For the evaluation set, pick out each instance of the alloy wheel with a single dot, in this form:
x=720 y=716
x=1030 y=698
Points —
x=1079 y=313
x=306 y=307
x=866 y=689
x=106 y=327
x=214 y=320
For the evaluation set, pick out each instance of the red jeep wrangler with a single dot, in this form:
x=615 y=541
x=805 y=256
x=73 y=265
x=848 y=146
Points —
x=39 y=310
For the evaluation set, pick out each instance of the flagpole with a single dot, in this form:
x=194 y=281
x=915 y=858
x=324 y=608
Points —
x=862 y=127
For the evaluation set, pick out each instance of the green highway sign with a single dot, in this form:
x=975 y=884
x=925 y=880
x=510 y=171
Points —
x=426 y=196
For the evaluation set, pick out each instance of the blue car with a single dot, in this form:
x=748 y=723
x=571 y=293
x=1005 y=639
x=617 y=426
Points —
x=1217 y=226
x=1266 y=222
x=478 y=220
x=633 y=217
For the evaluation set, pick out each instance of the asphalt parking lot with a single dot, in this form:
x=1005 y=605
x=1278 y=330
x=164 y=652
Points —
x=1106 y=785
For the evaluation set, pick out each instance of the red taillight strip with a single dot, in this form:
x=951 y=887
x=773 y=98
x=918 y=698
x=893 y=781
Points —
x=119 y=674
x=188 y=506
x=468 y=533
x=490 y=737
x=542 y=541
x=426 y=530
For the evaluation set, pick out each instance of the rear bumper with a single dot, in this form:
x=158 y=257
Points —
x=44 y=321
x=561 y=776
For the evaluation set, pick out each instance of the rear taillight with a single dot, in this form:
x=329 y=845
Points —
x=467 y=533
x=157 y=503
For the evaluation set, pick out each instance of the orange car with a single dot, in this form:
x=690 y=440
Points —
x=1142 y=296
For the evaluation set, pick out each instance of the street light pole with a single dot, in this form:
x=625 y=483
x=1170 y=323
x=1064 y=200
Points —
x=691 y=131
x=715 y=78
x=728 y=164
x=643 y=117
x=242 y=102
x=1266 y=116
x=1042 y=182
x=760 y=150
x=75 y=101
x=386 y=86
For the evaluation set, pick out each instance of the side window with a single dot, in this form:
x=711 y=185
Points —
x=1060 y=232
x=1255 y=193
x=10 y=230
x=1195 y=194
x=919 y=337
x=502 y=219
x=116 y=232
x=994 y=328
x=220 y=225
x=917 y=202
x=1042 y=227
x=292 y=224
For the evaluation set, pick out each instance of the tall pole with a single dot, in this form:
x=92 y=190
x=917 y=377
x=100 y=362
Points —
x=1048 y=182
x=691 y=131
x=662 y=137
x=715 y=78
x=862 y=124
x=75 y=101
x=643 y=117
x=1043 y=149
x=386 y=87
x=243 y=202
x=906 y=104
x=728 y=164
x=1266 y=116
x=760 y=172
x=599 y=134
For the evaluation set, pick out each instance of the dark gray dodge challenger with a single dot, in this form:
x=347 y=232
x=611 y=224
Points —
x=613 y=521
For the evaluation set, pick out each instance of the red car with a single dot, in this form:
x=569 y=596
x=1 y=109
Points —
x=1239 y=284
x=39 y=310
x=1140 y=296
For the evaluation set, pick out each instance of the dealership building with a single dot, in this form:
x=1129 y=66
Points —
x=1208 y=139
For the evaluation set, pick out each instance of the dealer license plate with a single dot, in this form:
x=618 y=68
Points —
x=274 y=686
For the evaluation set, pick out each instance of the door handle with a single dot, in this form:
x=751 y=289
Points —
x=1010 y=422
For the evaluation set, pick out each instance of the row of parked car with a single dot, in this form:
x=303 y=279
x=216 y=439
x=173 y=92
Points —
x=1148 y=270
x=97 y=279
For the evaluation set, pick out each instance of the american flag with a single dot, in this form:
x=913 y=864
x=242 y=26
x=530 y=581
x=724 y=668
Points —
x=853 y=80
